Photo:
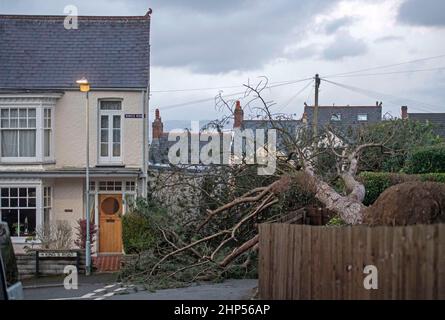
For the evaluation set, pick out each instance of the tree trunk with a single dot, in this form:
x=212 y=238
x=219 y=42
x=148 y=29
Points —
x=350 y=208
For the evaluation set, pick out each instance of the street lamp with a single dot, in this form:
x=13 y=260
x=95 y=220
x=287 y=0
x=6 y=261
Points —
x=84 y=86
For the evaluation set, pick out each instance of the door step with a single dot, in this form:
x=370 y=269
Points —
x=107 y=263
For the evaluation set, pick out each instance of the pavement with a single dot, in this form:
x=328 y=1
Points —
x=107 y=287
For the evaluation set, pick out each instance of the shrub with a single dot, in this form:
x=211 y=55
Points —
x=377 y=182
x=139 y=225
x=426 y=160
x=82 y=234
x=56 y=235
x=137 y=232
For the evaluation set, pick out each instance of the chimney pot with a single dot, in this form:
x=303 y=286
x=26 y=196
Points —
x=157 y=126
x=239 y=115
x=404 y=112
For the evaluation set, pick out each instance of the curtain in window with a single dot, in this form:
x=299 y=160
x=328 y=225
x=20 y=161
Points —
x=27 y=143
x=9 y=143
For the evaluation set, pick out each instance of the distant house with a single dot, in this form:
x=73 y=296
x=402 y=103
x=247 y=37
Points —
x=161 y=144
x=43 y=126
x=286 y=129
x=436 y=119
x=344 y=116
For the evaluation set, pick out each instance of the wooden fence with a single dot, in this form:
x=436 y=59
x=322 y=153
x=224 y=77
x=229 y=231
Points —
x=308 y=262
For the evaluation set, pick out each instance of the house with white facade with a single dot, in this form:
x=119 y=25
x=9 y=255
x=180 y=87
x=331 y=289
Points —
x=43 y=126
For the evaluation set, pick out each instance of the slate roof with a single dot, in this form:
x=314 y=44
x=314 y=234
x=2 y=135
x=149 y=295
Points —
x=348 y=115
x=436 y=119
x=286 y=131
x=37 y=52
x=159 y=147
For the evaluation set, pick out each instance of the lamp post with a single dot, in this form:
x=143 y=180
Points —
x=85 y=87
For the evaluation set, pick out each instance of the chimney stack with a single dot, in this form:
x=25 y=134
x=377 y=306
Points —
x=404 y=112
x=157 y=126
x=304 y=119
x=239 y=115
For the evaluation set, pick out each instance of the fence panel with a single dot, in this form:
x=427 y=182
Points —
x=311 y=262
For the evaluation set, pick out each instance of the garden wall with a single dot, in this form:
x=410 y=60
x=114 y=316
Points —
x=26 y=264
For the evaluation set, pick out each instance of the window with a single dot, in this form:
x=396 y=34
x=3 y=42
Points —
x=47 y=205
x=18 y=210
x=26 y=134
x=362 y=117
x=110 y=148
x=130 y=186
x=110 y=186
x=47 y=132
x=336 y=117
x=18 y=132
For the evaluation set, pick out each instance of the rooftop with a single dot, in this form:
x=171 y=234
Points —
x=37 y=52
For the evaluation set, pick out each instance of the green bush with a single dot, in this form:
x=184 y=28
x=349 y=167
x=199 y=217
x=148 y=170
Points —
x=139 y=225
x=377 y=182
x=137 y=232
x=426 y=160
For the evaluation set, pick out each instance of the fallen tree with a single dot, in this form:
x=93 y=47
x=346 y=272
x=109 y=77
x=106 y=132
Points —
x=223 y=235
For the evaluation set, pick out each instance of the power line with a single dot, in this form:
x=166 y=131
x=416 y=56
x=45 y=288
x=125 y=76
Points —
x=386 y=66
x=387 y=73
x=378 y=95
x=273 y=84
x=295 y=96
x=178 y=105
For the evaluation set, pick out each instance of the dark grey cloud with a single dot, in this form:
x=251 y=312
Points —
x=233 y=35
x=429 y=13
x=344 y=45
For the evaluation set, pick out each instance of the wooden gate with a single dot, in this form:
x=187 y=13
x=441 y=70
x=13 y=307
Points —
x=110 y=224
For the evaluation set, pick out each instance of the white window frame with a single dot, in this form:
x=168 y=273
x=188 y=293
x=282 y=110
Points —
x=39 y=103
x=39 y=203
x=362 y=115
x=51 y=136
x=336 y=117
x=110 y=159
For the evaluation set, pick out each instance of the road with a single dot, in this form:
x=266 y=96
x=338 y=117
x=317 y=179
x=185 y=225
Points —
x=106 y=287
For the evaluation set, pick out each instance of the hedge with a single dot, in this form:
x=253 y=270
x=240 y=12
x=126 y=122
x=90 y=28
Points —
x=377 y=182
x=426 y=159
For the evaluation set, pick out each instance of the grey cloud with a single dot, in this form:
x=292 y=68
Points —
x=389 y=39
x=244 y=36
x=343 y=46
x=423 y=13
x=333 y=26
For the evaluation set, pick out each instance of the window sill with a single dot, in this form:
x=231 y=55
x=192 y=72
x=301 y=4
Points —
x=22 y=240
x=110 y=164
x=9 y=162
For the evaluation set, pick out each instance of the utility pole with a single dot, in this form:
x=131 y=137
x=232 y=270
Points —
x=315 y=117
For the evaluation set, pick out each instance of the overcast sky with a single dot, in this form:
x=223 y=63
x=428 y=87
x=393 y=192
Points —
x=220 y=44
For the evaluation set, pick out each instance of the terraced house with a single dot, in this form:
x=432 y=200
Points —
x=43 y=131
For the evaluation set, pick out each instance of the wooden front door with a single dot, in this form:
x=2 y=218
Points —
x=110 y=224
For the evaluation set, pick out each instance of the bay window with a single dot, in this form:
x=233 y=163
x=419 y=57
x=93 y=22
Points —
x=26 y=133
x=47 y=132
x=18 y=208
x=18 y=132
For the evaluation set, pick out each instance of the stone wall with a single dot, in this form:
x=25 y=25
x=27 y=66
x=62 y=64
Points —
x=177 y=190
x=26 y=264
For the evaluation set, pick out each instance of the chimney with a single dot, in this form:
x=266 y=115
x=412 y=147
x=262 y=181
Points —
x=304 y=119
x=239 y=115
x=157 y=126
x=404 y=112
